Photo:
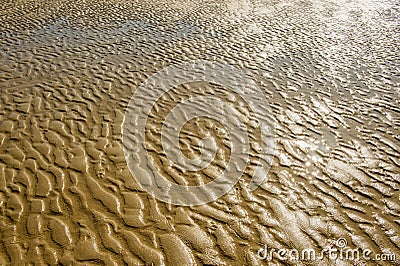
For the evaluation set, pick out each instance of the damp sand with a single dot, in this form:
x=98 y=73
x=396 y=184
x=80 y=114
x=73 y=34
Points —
x=330 y=73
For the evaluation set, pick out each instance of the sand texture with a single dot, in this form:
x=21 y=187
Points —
x=68 y=69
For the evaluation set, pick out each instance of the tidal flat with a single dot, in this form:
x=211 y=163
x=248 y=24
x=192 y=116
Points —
x=329 y=76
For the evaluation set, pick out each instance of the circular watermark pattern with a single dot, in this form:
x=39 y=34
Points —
x=341 y=243
x=142 y=165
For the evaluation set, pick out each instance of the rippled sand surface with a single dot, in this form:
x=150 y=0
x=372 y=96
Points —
x=329 y=69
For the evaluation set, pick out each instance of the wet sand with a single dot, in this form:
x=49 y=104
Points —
x=330 y=72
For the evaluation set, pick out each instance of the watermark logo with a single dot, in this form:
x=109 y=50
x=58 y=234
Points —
x=339 y=250
x=141 y=164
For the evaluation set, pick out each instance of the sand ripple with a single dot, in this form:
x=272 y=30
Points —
x=330 y=72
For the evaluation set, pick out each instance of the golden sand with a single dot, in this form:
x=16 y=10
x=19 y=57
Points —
x=330 y=72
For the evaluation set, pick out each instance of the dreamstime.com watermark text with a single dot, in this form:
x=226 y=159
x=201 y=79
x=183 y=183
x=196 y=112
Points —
x=338 y=251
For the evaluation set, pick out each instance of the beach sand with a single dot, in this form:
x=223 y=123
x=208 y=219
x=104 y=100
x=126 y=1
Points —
x=329 y=72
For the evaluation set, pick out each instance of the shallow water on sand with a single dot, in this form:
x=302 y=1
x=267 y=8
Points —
x=330 y=71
